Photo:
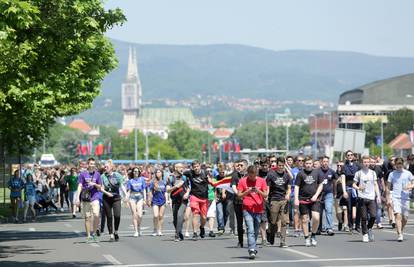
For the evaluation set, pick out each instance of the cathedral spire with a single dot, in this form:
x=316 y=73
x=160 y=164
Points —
x=132 y=73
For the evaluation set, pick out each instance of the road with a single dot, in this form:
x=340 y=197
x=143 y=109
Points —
x=58 y=240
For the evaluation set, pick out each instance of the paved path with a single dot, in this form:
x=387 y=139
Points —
x=58 y=240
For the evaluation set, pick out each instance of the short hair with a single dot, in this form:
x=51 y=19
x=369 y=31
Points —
x=325 y=157
x=308 y=158
x=399 y=160
x=366 y=157
x=346 y=152
x=244 y=161
x=280 y=159
x=90 y=159
x=289 y=157
x=195 y=162
x=251 y=169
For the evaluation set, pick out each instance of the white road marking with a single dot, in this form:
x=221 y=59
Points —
x=301 y=253
x=68 y=225
x=266 y=262
x=32 y=229
x=95 y=245
x=111 y=259
x=395 y=232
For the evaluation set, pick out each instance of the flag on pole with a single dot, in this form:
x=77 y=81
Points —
x=223 y=184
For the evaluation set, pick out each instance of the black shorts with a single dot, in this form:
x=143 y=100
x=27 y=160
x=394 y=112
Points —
x=305 y=209
x=343 y=202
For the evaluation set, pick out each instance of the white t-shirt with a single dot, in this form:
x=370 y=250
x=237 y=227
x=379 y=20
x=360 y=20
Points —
x=366 y=179
x=399 y=180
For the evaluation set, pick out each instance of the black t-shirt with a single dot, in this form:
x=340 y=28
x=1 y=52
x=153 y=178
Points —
x=199 y=184
x=278 y=185
x=262 y=173
x=328 y=177
x=380 y=175
x=350 y=168
x=235 y=178
x=177 y=194
x=339 y=191
x=411 y=168
x=308 y=182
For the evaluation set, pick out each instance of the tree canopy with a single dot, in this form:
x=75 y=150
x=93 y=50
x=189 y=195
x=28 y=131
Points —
x=53 y=57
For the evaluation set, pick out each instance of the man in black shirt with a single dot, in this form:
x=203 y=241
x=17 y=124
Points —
x=307 y=190
x=279 y=191
x=198 y=196
x=239 y=172
x=329 y=178
x=351 y=166
x=177 y=186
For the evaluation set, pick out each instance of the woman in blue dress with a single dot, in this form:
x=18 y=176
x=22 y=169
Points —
x=158 y=196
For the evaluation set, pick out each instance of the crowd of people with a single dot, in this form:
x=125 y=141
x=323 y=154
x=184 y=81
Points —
x=263 y=198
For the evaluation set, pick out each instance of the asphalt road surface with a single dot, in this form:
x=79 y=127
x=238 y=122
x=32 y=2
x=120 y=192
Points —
x=59 y=240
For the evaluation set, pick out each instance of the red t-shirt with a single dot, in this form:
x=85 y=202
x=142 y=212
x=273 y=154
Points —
x=252 y=202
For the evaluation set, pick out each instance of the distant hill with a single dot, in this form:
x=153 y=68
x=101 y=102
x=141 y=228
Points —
x=178 y=71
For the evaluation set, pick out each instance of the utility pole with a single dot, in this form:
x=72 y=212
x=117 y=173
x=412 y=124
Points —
x=135 y=144
x=267 y=134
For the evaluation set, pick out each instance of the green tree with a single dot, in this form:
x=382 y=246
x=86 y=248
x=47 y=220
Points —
x=53 y=57
x=372 y=129
x=186 y=141
x=399 y=122
x=253 y=135
x=62 y=142
x=375 y=150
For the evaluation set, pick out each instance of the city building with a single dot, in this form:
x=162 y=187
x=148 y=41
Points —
x=148 y=120
x=373 y=102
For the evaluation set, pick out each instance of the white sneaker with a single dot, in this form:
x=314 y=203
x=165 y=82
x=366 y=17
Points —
x=136 y=234
x=370 y=235
x=400 y=238
x=154 y=233
x=62 y=210
x=365 y=238
x=111 y=237
x=187 y=234
x=307 y=242
x=160 y=233
x=313 y=241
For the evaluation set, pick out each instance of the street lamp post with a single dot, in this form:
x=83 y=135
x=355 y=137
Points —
x=315 y=136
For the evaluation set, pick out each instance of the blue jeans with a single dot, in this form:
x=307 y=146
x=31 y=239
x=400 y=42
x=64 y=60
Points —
x=327 y=207
x=379 y=214
x=222 y=214
x=252 y=221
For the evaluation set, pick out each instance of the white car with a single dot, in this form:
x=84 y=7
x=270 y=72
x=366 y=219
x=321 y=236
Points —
x=48 y=160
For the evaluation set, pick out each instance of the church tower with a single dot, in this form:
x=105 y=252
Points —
x=131 y=93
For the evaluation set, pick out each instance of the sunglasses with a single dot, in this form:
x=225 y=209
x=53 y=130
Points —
x=300 y=160
x=349 y=155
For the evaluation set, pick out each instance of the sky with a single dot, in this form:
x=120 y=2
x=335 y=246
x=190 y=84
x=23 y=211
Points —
x=376 y=27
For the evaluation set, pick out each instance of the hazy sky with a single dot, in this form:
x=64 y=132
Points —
x=378 y=27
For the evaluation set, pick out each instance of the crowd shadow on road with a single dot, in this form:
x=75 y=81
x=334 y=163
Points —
x=7 y=236
x=60 y=264
x=9 y=251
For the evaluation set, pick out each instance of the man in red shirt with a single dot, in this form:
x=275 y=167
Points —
x=253 y=190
